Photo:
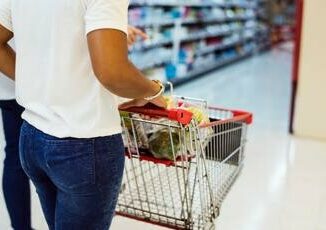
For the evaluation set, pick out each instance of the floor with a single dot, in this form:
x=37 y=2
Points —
x=283 y=184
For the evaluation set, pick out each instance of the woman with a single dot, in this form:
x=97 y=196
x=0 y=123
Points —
x=15 y=183
x=16 y=188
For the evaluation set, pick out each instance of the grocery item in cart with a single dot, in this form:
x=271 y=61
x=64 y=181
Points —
x=170 y=102
x=160 y=144
x=160 y=141
x=153 y=139
x=138 y=131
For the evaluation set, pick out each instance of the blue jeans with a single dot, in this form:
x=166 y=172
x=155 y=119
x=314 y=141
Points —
x=15 y=183
x=77 y=180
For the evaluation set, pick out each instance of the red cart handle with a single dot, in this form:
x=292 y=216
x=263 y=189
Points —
x=184 y=117
x=247 y=117
x=180 y=115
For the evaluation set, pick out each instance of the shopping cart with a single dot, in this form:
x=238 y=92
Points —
x=186 y=188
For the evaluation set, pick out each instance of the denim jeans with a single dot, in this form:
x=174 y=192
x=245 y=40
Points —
x=15 y=183
x=77 y=180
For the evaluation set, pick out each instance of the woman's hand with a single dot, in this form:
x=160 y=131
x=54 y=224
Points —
x=159 y=101
x=134 y=33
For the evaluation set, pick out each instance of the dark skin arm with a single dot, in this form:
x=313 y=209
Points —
x=7 y=54
x=109 y=54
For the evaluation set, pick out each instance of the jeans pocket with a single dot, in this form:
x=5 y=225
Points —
x=110 y=160
x=70 y=163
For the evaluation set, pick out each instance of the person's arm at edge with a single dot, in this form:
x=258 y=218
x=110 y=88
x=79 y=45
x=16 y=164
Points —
x=7 y=54
x=134 y=33
x=109 y=55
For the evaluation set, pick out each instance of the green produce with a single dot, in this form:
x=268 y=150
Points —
x=204 y=134
x=160 y=144
x=169 y=102
x=126 y=118
x=198 y=115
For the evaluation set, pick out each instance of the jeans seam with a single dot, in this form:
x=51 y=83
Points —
x=94 y=162
x=33 y=142
x=24 y=158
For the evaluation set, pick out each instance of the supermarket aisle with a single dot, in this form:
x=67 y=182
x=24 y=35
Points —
x=283 y=184
x=260 y=84
x=284 y=181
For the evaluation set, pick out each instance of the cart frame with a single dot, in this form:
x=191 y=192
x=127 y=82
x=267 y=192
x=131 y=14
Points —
x=185 y=192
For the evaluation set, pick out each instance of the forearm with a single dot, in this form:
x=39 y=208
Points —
x=7 y=61
x=131 y=83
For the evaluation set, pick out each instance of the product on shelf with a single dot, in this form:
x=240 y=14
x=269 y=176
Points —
x=158 y=73
x=144 y=59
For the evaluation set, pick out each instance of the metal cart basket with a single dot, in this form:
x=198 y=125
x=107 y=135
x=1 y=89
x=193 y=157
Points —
x=186 y=190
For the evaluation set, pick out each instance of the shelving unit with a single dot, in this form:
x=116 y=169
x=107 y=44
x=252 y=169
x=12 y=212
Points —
x=197 y=73
x=189 y=38
x=264 y=39
x=190 y=21
x=277 y=22
x=199 y=3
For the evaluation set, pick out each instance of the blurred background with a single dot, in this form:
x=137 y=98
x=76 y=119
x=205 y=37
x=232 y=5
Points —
x=190 y=38
x=263 y=56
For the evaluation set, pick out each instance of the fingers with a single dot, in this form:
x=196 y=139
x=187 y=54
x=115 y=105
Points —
x=131 y=39
x=133 y=103
x=160 y=102
x=140 y=33
x=134 y=33
x=123 y=106
x=127 y=105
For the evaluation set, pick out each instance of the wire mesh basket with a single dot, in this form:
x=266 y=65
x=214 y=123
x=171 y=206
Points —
x=178 y=171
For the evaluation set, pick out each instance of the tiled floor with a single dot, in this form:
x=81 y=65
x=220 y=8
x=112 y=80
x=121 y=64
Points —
x=283 y=184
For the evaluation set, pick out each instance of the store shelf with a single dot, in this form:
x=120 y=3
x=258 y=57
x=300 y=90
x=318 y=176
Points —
x=222 y=47
x=226 y=19
x=197 y=73
x=199 y=36
x=157 y=63
x=167 y=22
x=161 y=3
x=206 y=22
x=263 y=47
x=262 y=2
x=153 y=23
x=142 y=47
x=187 y=39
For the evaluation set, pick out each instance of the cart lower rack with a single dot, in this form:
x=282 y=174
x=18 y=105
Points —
x=184 y=190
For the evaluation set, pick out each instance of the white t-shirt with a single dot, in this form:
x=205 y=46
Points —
x=7 y=86
x=55 y=81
